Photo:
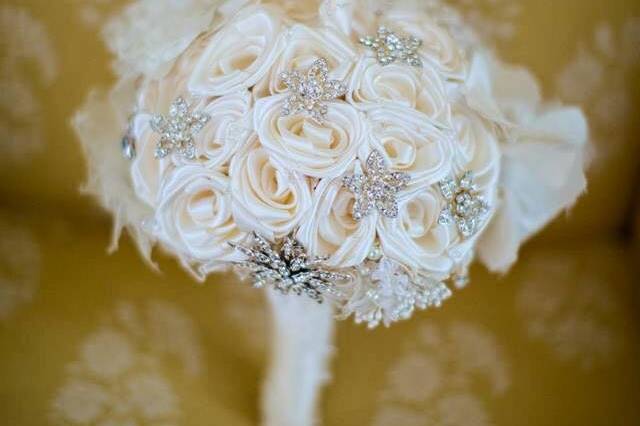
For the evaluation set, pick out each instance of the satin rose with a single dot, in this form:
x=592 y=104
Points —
x=476 y=148
x=155 y=97
x=410 y=145
x=147 y=171
x=303 y=46
x=304 y=145
x=240 y=54
x=228 y=128
x=267 y=197
x=438 y=47
x=194 y=216
x=415 y=238
x=330 y=230
x=419 y=89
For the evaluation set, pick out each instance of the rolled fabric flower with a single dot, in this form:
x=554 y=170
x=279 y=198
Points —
x=357 y=153
x=304 y=143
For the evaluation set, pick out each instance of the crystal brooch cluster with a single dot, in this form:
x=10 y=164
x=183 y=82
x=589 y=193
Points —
x=178 y=129
x=377 y=188
x=465 y=206
x=390 y=47
x=390 y=293
x=308 y=93
x=288 y=268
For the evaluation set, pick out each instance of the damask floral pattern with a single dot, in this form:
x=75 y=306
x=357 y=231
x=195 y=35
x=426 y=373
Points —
x=93 y=13
x=26 y=44
x=129 y=368
x=436 y=380
x=121 y=375
x=20 y=261
x=566 y=301
x=599 y=77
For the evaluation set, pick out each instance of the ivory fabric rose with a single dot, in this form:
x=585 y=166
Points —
x=476 y=148
x=415 y=238
x=348 y=18
x=155 y=97
x=438 y=46
x=304 y=145
x=194 y=215
x=228 y=128
x=268 y=197
x=146 y=170
x=420 y=90
x=240 y=54
x=258 y=170
x=410 y=144
x=330 y=230
x=304 y=45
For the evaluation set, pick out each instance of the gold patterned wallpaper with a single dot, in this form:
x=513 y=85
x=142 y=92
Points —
x=88 y=338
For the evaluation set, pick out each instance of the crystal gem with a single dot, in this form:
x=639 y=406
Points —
x=308 y=93
x=465 y=205
x=178 y=130
x=287 y=267
x=377 y=188
x=390 y=47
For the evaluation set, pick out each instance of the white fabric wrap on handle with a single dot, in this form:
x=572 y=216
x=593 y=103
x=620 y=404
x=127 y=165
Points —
x=301 y=345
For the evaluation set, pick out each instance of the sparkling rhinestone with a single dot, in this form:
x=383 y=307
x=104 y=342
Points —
x=465 y=206
x=178 y=130
x=128 y=146
x=309 y=93
x=378 y=188
x=391 y=47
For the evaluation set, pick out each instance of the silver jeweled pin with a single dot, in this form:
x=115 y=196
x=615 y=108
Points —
x=390 y=47
x=308 y=93
x=465 y=206
x=178 y=129
x=376 y=188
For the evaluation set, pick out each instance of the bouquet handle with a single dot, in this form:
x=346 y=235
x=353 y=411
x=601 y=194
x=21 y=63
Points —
x=302 y=333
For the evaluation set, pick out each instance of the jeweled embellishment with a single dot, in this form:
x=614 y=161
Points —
x=390 y=47
x=308 y=93
x=178 y=129
x=377 y=188
x=465 y=206
x=128 y=146
x=393 y=293
x=287 y=267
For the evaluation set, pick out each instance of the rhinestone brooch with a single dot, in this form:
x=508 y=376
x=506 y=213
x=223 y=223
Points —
x=390 y=47
x=128 y=146
x=378 y=188
x=308 y=93
x=288 y=268
x=465 y=206
x=178 y=129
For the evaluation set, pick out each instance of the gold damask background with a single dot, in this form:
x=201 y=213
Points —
x=92 y=339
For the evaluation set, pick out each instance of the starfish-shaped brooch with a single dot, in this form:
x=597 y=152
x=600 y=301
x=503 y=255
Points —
x=287 y=267
x=178 y=129
x=378 y=188
x=309 y=93
x=465 y=206
x=391 y=47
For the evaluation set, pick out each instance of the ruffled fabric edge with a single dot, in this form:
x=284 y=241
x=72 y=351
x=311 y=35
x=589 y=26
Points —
x=544 y=156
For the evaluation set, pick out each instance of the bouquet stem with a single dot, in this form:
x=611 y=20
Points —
x=302 y=333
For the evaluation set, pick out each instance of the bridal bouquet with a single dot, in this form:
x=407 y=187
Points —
x=356 y=152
